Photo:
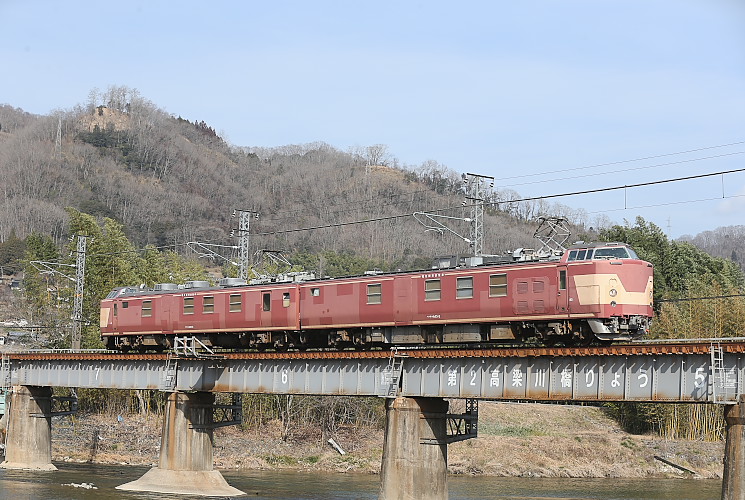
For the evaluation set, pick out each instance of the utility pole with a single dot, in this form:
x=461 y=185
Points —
x=79 y=279
x=474 y=184
x=244 y=224
x=77 y=314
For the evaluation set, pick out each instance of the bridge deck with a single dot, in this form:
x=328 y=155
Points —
x=671 y=372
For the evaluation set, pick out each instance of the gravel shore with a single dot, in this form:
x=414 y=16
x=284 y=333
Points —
x=515 y=439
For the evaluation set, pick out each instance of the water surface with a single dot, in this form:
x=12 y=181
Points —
x=274 y=485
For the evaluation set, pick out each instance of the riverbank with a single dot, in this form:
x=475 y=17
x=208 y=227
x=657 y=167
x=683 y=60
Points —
x=515 y=439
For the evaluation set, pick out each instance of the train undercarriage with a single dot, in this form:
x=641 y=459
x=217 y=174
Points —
x=548 y=333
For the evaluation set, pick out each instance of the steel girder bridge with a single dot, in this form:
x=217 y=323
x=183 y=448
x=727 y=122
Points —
x=415 y=382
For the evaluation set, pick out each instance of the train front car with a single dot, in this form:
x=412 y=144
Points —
x=609 y=289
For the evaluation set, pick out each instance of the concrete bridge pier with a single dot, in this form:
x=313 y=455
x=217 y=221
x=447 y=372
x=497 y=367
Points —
x=28 y=442
x=185 y=465
x=412 y=469
x=733 y=477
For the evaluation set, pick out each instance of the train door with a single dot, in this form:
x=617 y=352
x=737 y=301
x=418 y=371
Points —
x=115 y=317
x=168 y=313
x=265 y=313
x=562 y=291
x=404 y=301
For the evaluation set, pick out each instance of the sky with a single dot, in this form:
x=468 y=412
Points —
x=549 y=97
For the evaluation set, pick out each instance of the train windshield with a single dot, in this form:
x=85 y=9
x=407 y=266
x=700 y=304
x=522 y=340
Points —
x=602 y=253
x=615 y=253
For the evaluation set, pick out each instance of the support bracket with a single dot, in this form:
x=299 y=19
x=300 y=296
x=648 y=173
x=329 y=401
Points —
x=224 y=415
x=61 y=406
x=460 y=426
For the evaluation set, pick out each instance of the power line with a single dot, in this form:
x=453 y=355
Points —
x=503 y=202
x=627 y=169
x=622 y=161
x=625 y=186
x=655 y=205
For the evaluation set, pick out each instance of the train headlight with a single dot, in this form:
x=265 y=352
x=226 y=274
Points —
x=613 y=303
x=613 y=292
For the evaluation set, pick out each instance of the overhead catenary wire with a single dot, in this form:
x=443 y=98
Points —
x=627 y=169
x=461 y=206
x=619 y=162
x=512 y=201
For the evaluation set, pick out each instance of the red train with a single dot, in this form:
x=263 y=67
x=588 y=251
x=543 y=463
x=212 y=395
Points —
x=593 y=292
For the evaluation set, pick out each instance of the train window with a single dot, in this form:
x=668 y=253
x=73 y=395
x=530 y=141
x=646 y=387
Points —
x=188 y=305
x=208 y=305
x=562 y=280
x=236 y=302
x=375 y=293
x=583 y=254
x=498 y=285
x=612 y=253
x=315 y=292
x=266 y=300
x=286 y=299
x=147 y=308
x=115 y=310
x=125 y=305
x=464 y=288
x=432 y=290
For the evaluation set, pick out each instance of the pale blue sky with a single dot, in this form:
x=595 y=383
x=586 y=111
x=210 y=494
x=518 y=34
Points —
x=500 y=88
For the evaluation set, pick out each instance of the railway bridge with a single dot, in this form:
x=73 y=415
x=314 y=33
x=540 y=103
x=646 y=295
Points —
x=415 y=382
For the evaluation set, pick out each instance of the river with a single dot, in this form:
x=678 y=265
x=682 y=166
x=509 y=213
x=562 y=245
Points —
x=274 y=485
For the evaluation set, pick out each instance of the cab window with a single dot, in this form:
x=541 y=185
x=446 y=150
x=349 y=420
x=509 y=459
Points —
x=612 y=253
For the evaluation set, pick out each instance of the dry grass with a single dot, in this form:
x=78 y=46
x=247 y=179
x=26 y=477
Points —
x=514 y=440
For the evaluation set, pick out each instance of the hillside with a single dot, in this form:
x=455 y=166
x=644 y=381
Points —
x=725 y=242
x=168 y=181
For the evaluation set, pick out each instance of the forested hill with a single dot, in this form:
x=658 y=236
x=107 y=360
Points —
x=169 y=180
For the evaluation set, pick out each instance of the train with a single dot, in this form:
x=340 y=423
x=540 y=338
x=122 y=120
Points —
x=595 y=292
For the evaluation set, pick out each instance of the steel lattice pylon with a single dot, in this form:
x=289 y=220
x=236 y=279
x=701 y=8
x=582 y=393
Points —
x=475 y=194
x=244 y=225
x=77 y=313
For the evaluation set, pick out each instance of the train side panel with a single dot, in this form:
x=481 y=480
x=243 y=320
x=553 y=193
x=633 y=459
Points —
x=353 y=303
x=486 y=295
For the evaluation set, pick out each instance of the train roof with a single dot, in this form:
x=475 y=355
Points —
x=518 y=257
x=596 y=244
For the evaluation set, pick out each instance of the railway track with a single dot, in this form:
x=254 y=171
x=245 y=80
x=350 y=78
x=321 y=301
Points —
x=637 y=348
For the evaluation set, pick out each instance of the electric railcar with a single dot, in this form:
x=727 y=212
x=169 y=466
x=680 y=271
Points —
x=593 y=292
